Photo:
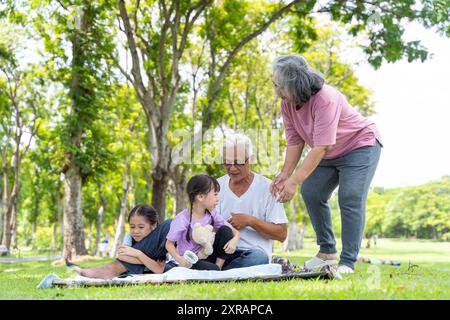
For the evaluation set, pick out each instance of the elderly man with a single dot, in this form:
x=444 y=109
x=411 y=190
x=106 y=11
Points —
x=246 y=202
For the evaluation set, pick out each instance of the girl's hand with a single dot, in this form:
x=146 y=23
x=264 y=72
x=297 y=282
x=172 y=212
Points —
x=230 y=246
x=288 y=191
x=128 y=251
x=184 y=263
x=278 y=183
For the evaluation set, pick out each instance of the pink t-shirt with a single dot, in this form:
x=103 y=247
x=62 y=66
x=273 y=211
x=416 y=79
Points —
x=328 y=119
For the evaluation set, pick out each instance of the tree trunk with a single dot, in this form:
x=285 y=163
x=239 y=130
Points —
x=100 y=217
x=160 y=183
x=131 y=188
x=5 y=198
x=10 y=217
x=1 y=221
x=99 y=227
x=148 y=184
x=179 y=180
x=14 y=223
x=1 y=225
x=10 y=224
x=295 y=239
x=180 y=197
x=90 y=238
x=120 y=227
x=60 y=208
x=54 y=236
x=73 y=215
x=301 y=240
x=2 y=213
x=80 y=94
x=32 y=240
x=291 y=241
x=34 y=216
x=6 y=241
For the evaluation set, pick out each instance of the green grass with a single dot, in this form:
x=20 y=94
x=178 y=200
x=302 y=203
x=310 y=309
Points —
x=430 y=280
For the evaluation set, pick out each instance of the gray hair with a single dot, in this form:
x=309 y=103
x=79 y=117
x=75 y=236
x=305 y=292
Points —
x=241 y=142
x=295 y=77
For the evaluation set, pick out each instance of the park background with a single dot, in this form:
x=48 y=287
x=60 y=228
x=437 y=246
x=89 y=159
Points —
x=93 y=94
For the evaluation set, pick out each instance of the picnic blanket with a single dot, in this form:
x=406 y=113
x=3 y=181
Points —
x=267 y=272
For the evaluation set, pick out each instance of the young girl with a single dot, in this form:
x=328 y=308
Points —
x=148 y=247
x=202 y=191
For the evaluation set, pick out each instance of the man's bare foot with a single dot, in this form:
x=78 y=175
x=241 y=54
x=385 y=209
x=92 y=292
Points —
x=327 y=256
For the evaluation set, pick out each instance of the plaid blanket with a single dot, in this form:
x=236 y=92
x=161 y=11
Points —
x=268 y=272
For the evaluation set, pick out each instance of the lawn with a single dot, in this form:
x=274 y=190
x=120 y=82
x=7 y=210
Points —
x=429 y=280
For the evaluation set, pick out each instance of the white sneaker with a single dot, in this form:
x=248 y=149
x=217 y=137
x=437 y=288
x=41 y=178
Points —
x=343 y=269
x=47 y=282
x=316 y=263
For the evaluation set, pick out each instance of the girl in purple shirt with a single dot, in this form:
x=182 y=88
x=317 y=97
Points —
x=202 y=191
x=345 y=149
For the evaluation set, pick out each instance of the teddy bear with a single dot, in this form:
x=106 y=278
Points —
x=204 y=236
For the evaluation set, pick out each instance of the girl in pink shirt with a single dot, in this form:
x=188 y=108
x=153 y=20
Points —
x=345 y=149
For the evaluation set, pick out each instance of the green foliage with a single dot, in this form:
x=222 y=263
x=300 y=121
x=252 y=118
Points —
x=76 y=32
x=435 y=14
x=326 y=55
x=384 y=23
x=420 y=212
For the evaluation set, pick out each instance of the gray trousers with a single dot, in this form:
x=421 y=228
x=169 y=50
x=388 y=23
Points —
x=353 y=173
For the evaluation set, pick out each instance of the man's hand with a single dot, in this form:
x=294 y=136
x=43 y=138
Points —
x=240 y=220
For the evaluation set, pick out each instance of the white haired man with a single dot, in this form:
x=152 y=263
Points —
x=246 y=202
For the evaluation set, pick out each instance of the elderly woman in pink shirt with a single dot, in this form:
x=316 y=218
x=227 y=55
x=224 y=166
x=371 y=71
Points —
x=345 y=149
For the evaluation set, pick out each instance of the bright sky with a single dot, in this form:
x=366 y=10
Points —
x=413 y=114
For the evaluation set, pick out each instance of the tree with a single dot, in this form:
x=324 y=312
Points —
x=159 y=56
x=418 y=211
x=80 y=26
x=19 y=113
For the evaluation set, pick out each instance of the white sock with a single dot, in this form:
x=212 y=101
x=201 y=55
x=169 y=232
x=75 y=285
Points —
x=342 y=269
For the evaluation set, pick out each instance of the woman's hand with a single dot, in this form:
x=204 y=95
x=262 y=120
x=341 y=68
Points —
x=230 y=246
x=128 y=251
x=278 y=183
x=288 y=191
